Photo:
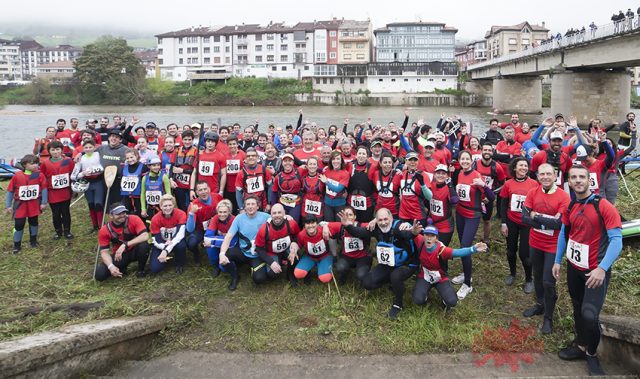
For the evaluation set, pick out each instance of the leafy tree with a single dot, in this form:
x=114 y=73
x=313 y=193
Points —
x=109 y=72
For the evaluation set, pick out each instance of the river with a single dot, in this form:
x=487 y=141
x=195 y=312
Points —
x=21 y=124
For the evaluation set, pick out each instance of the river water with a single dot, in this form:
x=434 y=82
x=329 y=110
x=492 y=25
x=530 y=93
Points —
x=21 y=124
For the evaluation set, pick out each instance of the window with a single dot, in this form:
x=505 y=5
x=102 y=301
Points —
x=352 y=80
x=347 y=57
x=361 y=80
x=418 y=80
x=332 y=33
x=180 y=41
x=194 y=50
x=206 y=60
x=270 y=47
x=380 y=80
x=180 y=51
x=274 y=68
x=227 y=49
x=301 y=45
x=331 y=81
x=360 y=45
x=406 y=80
x=444 y=80
x=317 y=80
x=393 y=80
x=227 y=60
x=207 y=50
x=258 y=47
x=347 y=46
x=270 y=58
x=216 y=49
x=430 y=80
x=180 y=61
x=283 y=58
x=160 y=51
x=525 y=41
x=194 y=60
x=270 y=37
x=216 y=38
x=513 y=41
x=306 y=68
x=360 y=56
x=332 y=55
x=258 y=58
x=284 y=37
x=205 y=40
x=284 y=47
x=216 y=59
x=159 y=41
x=334 y=44
x=321 y=56
x=160 y=61
x=258 y=37
x=283 y=68
x=324 y=80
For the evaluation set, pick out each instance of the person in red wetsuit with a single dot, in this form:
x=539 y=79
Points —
x=383 y=178
x=200 y=212
x=312 y=241
x=513 y=195
x=475 y=149
x=355 y=250
x=361 y=188
x=287 y=188
x=212 y=166
x=554 y=156
x=168 y=232
x=541 y=211
x=183 y=168
x=40 y=147
x=26 y=199
x=598 y=168
x=57 y=170
x=470 y=189
x=494 y=176
x=591 y=238
x=64 y=136
x=508 y=149
x=253 y=179
x=312 y=191
x=235 y=163
x=443 y=200
x=413 y=187
x=431 y=273
x=273 y=246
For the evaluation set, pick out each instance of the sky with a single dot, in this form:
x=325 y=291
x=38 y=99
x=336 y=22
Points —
x=472 y=18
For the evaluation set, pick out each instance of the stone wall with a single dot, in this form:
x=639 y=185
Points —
x=517 y=95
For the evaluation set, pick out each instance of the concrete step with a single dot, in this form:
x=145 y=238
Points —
x=193 y=364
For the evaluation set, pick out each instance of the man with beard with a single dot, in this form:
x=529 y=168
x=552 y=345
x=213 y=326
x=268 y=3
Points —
x=492 y=135
x=554 y=156
x=494 y=176
x=113 y=154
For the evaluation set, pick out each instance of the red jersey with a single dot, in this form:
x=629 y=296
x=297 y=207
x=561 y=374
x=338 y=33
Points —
x=588 y=237
x=469 y=205
x=168 y=227
x=491 y=174
x=315 y=246
x=253 y=181
x=412 y=206
x=442 y=155
x=64 y=136
x=303 y=155
x=113 y=235
x=428 y=165
x=352 y=247
x=276 y=240
x=597 y=174
x=440 y=207
x=386 y=190
x=312 y=193
x=337 y=177
x=521 y=138
x=561 y=165
x=361 y=187
x=235 y=163
x=221 y=227
x=515 y=192
x=430 y=269
x=209 y=166
x=205 y=212
x=288 y=186
x=512 y=149
x=58 y=179
x=547 y=205
x=27 y=193
x=476 y=155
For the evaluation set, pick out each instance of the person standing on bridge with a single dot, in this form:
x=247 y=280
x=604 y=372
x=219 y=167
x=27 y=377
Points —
x=630 y=16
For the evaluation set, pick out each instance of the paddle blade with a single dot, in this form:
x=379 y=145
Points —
x=110 y=174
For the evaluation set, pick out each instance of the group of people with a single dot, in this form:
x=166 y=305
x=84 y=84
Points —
x=289 y=201
x=624 y=21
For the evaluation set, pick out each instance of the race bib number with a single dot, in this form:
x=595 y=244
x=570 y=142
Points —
x=432 y=277
x=517 y=201
x=153 y=148
x=359 y=202
x=129 y=183
x=65 y=141
x=593 y=181
x=578 y=254
x=406 y=190
x=233 y=166
x=289 y=200
x=60 y=181
x=153 y=197
x=206 y=168
x=464 y=192
x=386 y=256
x=476 y=157
x=558 y=177
x=183 y=178
x=437 y=208
x=316 y=249
x=281 y=245
x=255 y=184
x=352 y=244
x=329 y=191
x=168 y=233
x=488 y=180
x=31 y=192
x=205 y=224
x=385 y=192
x=312 y=207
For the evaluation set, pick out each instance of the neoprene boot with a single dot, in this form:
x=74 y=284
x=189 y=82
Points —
x=16 y=247
x=33 y=241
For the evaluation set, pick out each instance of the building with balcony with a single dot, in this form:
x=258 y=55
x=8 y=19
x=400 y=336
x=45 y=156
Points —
x=472 y=53
x=355 y=42
x=415 y=42
x=10 y=62
x=33 y=55
x=149 y=59
x=58 y=71
x=502 y=40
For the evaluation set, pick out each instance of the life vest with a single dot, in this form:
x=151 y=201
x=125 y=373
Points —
x=130 y=182
x=283 y=254
x=126 y=235
x=154 y=188
x=400 y=255
x=254 y=182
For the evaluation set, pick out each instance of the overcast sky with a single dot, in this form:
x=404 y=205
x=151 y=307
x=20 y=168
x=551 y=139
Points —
x=472 y=18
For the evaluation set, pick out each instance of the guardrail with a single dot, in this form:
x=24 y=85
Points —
x=601 y=31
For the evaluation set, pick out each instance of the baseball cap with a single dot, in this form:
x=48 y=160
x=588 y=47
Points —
x=376 y=142
x=558 y=115
x=195 y=125
x=412 y=155
x=117 y=208
x=441 y=167
x=582 y=152
x=430 y=230
x=154 y=160
x=556 y=135
x=430 y=144
x=296 y=140
x=287 y=156
x=151 y=124
x=115 y=132
x=431 y=136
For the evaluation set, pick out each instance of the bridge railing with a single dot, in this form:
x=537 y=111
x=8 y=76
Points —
x=602 y=31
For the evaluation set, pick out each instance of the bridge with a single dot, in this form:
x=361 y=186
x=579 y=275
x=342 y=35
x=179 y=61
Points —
x=588 y=71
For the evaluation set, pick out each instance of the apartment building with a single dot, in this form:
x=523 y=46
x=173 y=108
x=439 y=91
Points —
x=415 y=42
x=472 y=53
x=355 y=42
x=10 y=63
x=502 y=40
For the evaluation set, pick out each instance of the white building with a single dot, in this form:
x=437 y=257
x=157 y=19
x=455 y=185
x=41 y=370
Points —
x=10 y=63
x=33 y=55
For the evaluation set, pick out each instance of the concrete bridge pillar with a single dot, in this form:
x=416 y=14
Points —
x=518 y=94
x=592 y=94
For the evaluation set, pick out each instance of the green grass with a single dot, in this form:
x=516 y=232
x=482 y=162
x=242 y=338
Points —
x=276 y=317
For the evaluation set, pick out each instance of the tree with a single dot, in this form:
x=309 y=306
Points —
x=109 y=72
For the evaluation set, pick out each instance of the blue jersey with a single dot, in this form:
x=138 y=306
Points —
x=246 y=229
